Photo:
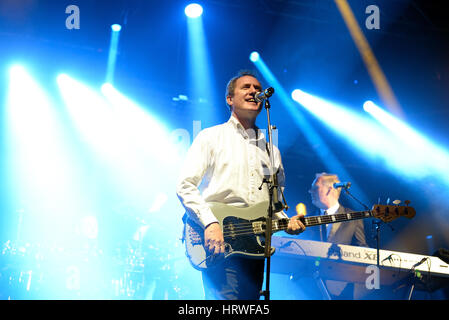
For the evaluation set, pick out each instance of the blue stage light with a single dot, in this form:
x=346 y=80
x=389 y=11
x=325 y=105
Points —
x=113 y=48
x=200 y=93
x=369 y=106
x=254 y=56
x=417 y=146
x=359 y=130
x=97 y=153
x=403 y=149
x=193 y=10
x=41 y=164
x=116 y=27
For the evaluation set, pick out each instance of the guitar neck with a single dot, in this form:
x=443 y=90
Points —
x=282 y=224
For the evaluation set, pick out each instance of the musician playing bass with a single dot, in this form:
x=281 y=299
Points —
x=227 y=164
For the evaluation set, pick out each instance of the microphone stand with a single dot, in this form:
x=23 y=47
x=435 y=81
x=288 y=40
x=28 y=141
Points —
x=376 y=222
x=273 y=201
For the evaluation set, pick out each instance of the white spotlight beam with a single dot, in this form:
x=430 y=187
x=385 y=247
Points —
x=366 y=135
x=425 y=154
x=193 y=10
x=43 y=169
x=113 y=51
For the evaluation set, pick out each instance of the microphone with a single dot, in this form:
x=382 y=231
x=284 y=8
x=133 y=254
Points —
x=419 y=263
x=389 y=258
x=260 y=96
x=345 y=185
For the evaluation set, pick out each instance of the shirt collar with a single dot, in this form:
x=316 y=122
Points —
x=236 y=124
x=233 y=121
x=332 y=209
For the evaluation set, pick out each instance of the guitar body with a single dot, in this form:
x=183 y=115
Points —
x=241 y=233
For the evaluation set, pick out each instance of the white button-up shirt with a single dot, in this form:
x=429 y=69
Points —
x=226 y=164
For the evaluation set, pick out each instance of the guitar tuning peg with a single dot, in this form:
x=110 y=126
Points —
x=396 y=202
x=407 y=202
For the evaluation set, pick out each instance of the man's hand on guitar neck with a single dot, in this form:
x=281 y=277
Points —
x=295 y=226
x=213 y=239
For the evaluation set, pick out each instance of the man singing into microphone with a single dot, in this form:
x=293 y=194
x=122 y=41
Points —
x=325 y=197
x=227 y=163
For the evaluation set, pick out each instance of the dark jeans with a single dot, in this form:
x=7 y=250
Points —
x=235 y=278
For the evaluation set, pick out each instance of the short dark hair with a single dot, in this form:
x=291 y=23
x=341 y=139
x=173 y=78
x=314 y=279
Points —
x=230 y=88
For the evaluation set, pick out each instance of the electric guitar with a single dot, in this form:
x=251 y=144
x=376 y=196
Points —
x=244 y=229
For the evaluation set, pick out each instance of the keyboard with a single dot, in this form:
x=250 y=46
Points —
x=355 y=264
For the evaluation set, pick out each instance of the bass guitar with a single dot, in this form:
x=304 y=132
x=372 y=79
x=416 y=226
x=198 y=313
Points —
x=244 y=229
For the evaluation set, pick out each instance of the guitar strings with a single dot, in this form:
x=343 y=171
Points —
x=248 y=228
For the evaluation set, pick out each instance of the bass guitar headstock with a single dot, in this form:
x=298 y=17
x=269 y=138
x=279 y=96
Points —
x=388 y=213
